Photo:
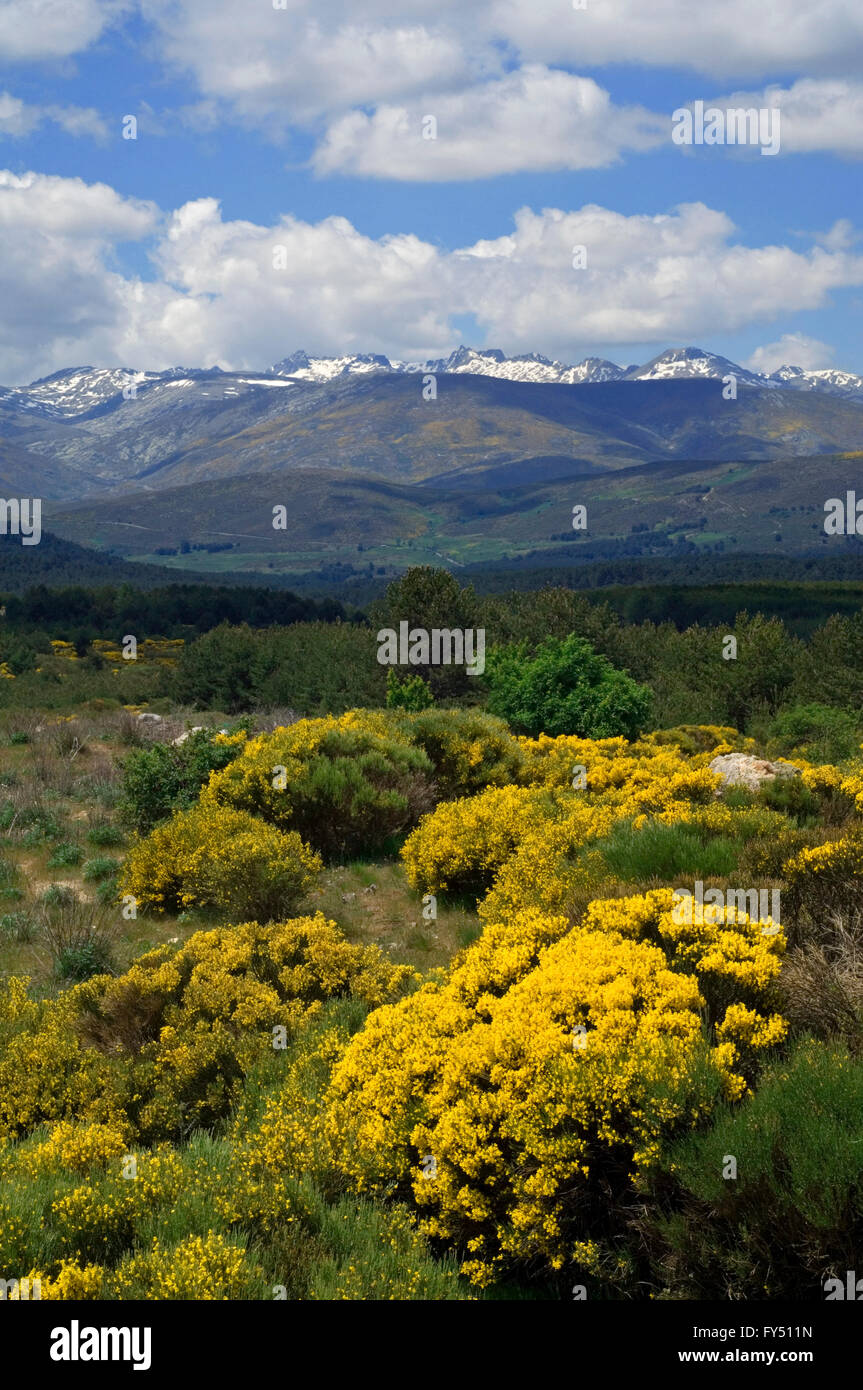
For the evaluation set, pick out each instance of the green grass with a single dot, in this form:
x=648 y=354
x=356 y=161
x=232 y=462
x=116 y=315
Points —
x=666 y=853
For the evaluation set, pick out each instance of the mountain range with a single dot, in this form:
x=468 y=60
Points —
x=79 y=391
x=183 y=467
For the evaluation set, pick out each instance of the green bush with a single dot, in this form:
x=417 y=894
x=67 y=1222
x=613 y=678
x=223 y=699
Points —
x=468 y=749
x=793 y=1214
x=76 y=963
x=565 y=688
x=824 y=734
x=105 y=833
x=162 y=779
x=412 y=693
x=97 y=870
x=65 y=856
x=351 y=787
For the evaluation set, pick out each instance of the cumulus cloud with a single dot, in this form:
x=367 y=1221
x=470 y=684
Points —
x=18 y=118
x=535 y=118
x=276 y=67
x=60 y=292
x=242 y=294
x=794 y=349
x=731 y=39
x=816 y=114
x=308 y=61
x=670 y=277
x=37 y=30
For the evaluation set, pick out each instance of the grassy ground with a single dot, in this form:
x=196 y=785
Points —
x=61 y=835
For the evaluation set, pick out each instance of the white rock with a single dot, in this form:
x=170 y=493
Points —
x=146 y=717
x=175 y=743
x=744 y=770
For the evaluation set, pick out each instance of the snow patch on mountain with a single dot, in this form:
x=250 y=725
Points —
x=78 y=390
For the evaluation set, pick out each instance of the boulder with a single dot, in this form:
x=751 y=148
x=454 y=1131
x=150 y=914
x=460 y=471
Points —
x=147 y=718
x=744 y=770
x=182 y=738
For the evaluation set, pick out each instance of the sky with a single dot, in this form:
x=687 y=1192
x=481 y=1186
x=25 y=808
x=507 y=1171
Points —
x=397 y=177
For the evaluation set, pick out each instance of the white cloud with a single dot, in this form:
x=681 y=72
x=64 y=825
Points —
x=731 y=39
x=794 y=349
x=217 y=295
x=61 y=295
x=667 y=278
x=310 y=61
x=37 y=30
x=816 y=114
x=534 y=118
x=275 y=67
x=17 y=118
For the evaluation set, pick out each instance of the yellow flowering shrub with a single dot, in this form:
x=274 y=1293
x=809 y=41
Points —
x=76 y=1148
x=213 y=856
x=734 y=959
x=72 y=1282
x=203 y=1268
x=346 y=784
x=827 y=879
x=164 y=1048
x=479 y=1097
x=462 y=844
x=468 y=748
x=549 y=869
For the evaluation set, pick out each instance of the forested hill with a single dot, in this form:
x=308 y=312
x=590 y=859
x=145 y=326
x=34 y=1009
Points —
x=56 y=562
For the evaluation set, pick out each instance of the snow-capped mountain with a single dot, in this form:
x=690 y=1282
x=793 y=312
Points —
x=677 y=363
x=77 y=392
x=821 y=379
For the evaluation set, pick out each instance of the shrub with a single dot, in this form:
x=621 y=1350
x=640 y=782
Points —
x=794 y=1214
x=412 y=693
x=200 y=1268
x=100 y=869
x=81 y=962
x=821 y=988
x=105 y=834
x=79 y=936
x=17 y=926
x=565 y=688
x=65 y=856
x=468 y=749
x=827 y=879
x=461 y=845
x=515 y=1139
x=460 y=1105
x=824 y=734
x=348 y=786
x=164 y=1048
x=165 y=778
x=215 y=857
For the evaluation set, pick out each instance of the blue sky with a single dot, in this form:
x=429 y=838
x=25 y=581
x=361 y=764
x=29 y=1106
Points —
x=157 y=250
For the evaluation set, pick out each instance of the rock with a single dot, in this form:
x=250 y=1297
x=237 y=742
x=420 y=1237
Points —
x=744 y=770
x=175 y=742
x=348 y=897
x=146 y=718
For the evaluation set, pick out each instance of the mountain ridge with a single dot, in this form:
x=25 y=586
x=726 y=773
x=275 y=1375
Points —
x=77 y=391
